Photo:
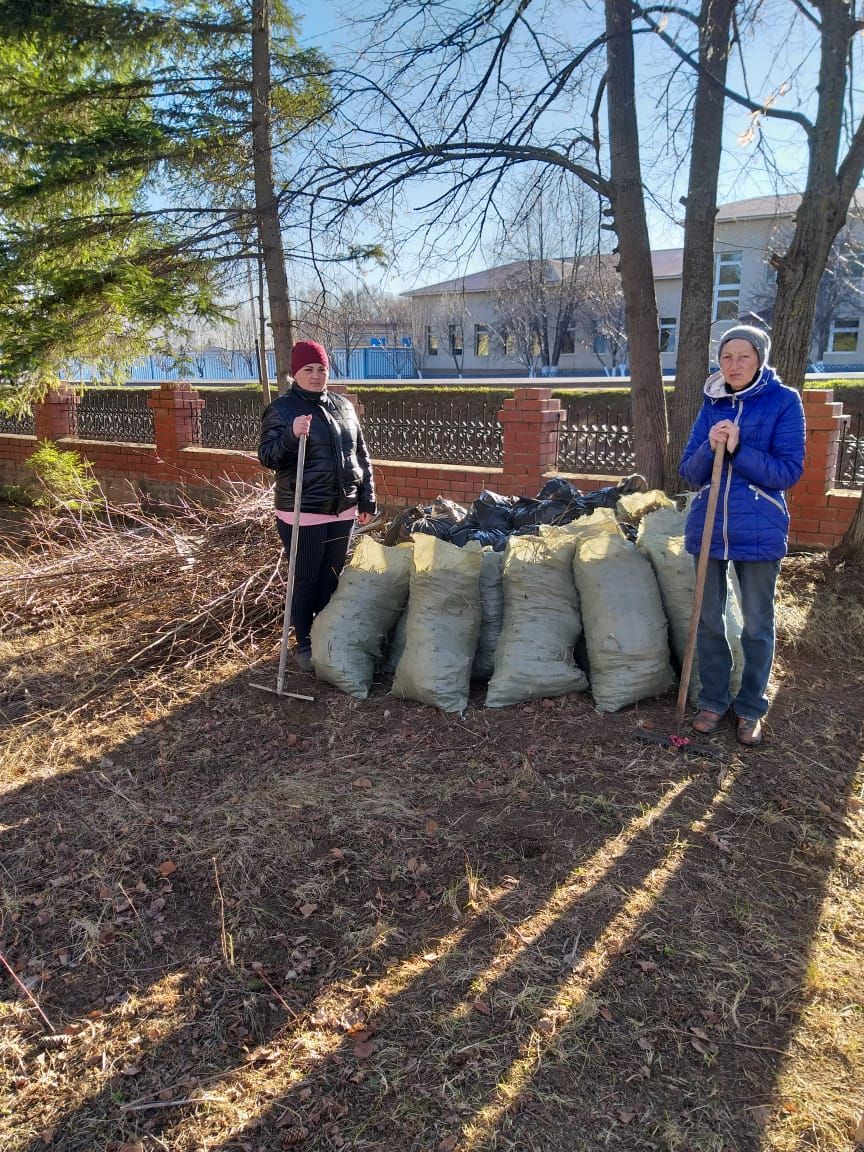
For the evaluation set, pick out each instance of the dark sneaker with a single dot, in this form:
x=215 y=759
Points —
x=303 y=659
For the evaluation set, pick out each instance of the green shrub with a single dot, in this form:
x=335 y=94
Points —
x=61 y=479
x=16 y=495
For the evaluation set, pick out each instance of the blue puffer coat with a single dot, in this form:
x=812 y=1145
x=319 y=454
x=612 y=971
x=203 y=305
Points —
x=752 y=521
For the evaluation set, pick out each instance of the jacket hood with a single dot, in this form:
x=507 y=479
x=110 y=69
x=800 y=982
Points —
x=715 y=385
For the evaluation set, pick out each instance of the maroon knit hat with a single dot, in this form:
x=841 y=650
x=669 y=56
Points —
x=307 y=352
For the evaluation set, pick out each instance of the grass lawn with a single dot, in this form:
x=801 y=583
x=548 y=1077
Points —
x=259 y=924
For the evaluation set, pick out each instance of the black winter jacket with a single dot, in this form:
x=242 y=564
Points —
x=338 y=473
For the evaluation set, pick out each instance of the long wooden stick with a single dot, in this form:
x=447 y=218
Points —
x=699 y=589
x=25 y=990
x=292 y=566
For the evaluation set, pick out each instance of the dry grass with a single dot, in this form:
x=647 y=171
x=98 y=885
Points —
x=261 y=924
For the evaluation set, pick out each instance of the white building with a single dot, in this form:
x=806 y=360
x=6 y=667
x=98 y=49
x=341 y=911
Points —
x=460 y=326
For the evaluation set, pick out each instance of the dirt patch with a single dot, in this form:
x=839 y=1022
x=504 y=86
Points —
x=261 y=924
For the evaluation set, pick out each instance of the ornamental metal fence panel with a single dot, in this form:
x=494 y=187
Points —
x=231 y=422
x=850 y=454
x=20 y=424
x=434 y=434
x=119 y=416
x=595 y=445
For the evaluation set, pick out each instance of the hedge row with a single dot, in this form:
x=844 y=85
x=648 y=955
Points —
x=849 y=392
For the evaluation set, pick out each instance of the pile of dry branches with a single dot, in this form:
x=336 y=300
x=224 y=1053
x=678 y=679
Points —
x=168 y=587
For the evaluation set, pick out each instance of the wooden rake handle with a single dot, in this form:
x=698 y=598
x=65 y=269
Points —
x=699 y=589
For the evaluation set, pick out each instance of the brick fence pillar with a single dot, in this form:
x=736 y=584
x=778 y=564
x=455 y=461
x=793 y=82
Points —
x=176 y=412
x=530 y=420
x=342 y=390
x=811 y=517
x=56 y=415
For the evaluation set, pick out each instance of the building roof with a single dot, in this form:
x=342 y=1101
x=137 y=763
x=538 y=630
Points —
x=486 y=280
x=666 y=263
x=760 y=207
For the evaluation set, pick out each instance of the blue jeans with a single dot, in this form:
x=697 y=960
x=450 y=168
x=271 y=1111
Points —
x=758 y=581
x=321 y=552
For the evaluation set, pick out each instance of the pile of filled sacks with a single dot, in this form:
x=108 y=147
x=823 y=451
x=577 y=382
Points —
x=573 y=607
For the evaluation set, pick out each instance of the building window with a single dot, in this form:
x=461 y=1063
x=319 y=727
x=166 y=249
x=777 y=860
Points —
x=454 y=336
x=481 y=340
x=668 y=333
x=431 y=341
x=600 y=345
x=844 y=336
x=536 y=346
x=568 y=341
x=727 y=285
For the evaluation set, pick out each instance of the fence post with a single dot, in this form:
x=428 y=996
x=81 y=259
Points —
x=56 y=415
x=176 y=409
x=530 y=421
x=342 y=390
x=813 y=522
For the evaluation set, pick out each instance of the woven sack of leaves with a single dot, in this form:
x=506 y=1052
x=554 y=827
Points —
x=491 y=613
x=624 y=621
x=534 y=654
x=348 y=635
x=442 y=626
x=661 y=538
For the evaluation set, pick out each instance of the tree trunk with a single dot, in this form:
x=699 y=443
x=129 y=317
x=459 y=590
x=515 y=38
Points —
x=266 y=204
x=851 y=547
x=697 y=279
x=822 y=212
x=648 y=403
x=263 y=366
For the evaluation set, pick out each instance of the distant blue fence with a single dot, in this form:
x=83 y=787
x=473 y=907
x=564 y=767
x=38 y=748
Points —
x=241 y=367
x=374 y=364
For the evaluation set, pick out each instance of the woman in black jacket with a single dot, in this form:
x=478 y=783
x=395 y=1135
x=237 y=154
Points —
x=337 y=482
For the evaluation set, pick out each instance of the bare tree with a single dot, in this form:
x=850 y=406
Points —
x=340 y=318
x=840 y=294
x=425 y=332
x=444 y=106
x=537 y=291
x=602 y=322
x=647 y=400
x=453 y=320
x=266 y=199
x=700 y=210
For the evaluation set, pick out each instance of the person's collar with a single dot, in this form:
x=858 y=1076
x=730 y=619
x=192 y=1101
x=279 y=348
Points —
x=312 y=397
x=716 y=387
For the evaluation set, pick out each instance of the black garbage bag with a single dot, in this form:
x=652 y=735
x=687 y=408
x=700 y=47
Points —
x=435 y=526
x=488 y=537
x=493 y=512
x=526 y=511
x=557 y=488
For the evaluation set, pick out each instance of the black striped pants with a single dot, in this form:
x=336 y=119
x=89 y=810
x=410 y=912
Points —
x=321 y=552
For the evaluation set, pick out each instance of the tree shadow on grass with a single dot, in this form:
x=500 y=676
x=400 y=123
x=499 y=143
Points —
x=515 y=930
x=190 y=897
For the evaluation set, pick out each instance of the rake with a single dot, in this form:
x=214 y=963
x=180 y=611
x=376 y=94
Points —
x=279 y=690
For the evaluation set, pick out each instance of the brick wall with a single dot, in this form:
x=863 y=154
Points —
x=530 y=420
x=820 y=513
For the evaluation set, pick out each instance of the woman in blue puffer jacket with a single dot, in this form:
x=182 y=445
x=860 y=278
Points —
x=761 y=423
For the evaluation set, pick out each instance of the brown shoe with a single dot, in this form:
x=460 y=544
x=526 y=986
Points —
x=749 y=732
x=706 y=721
